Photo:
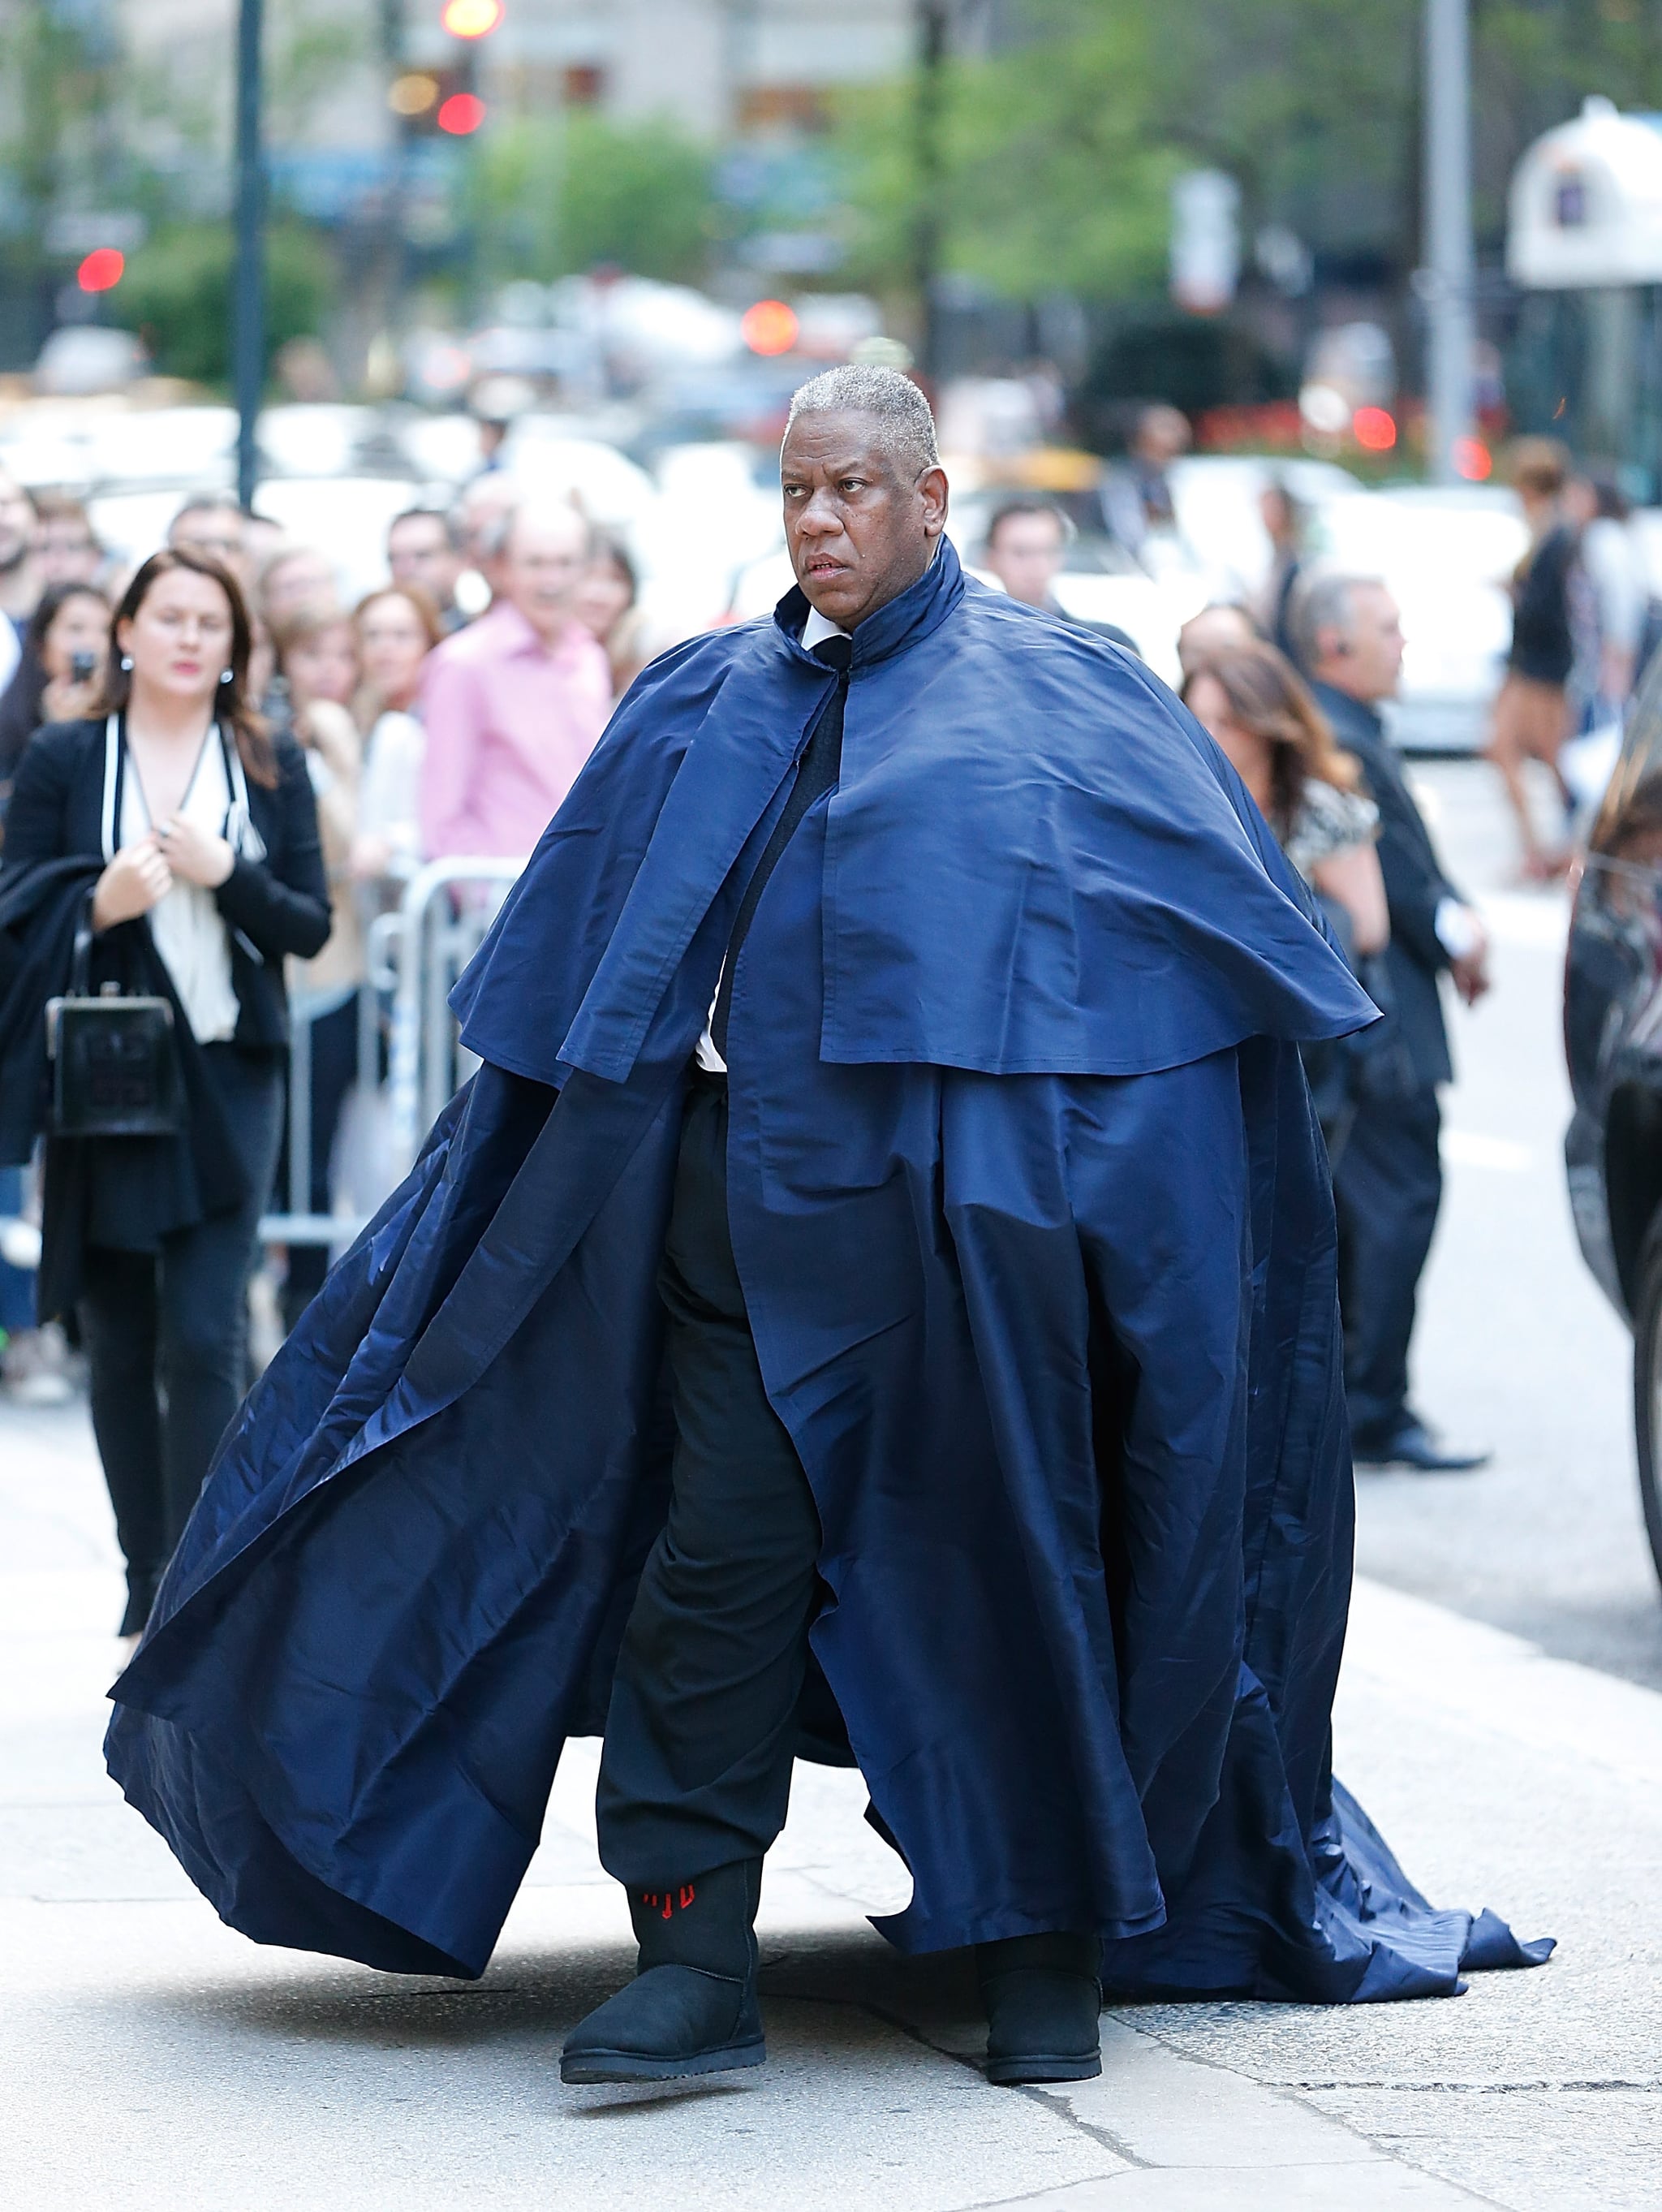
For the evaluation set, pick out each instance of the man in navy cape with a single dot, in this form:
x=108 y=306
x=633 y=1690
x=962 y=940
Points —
x=874 y=1301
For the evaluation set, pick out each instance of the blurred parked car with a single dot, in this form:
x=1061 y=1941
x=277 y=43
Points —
x=1613 y=1042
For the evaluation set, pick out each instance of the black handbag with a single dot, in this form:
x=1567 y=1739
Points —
x=115 y=1069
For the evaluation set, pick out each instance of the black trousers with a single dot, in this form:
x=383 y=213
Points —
x=1387 y=1187
x=695 y=1772
x=167 y=1336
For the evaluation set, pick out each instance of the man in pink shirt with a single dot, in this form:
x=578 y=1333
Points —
x=514 y=704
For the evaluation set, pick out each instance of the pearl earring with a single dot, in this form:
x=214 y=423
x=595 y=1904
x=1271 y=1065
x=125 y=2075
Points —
x=126 y=662
x=228 y=676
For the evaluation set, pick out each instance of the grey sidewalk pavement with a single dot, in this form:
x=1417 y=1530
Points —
x=152 y=2060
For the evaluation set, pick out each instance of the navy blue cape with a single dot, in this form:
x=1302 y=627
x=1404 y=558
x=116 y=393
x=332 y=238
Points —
x=1035 y=1232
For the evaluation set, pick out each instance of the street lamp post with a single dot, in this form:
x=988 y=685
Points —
x=934 y=22
x=248 y=291
x=1447 y=284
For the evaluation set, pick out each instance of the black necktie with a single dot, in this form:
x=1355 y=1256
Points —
x=816 y=774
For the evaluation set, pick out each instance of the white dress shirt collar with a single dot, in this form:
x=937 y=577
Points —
x=817 y=628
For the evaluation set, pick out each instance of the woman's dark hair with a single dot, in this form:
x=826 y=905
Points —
x=1269 y=699
x=53 y=601
x=232 y=706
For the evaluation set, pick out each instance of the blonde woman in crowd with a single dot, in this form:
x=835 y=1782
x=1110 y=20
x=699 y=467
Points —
x=396 y=628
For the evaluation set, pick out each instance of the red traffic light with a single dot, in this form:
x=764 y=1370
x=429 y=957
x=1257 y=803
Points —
x=1374 y=429
x=1473 y=461
x=102 y=270
x=471 y=19
x=462 y=112
x=769 y=327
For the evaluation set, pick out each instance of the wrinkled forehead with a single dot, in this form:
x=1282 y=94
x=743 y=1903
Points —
x=827 y=444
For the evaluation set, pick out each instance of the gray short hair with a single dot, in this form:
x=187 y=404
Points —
x=1325 y=600
x=495 y=536
x=899 y=409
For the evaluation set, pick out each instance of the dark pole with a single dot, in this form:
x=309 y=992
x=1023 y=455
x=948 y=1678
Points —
x=933 y=23
x=248 y=297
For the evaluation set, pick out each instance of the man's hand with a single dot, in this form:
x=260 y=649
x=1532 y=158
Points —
x=1470 y=973
x=135 y=881
x=195 y=853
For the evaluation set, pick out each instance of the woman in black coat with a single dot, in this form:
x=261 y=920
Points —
x=188 y=837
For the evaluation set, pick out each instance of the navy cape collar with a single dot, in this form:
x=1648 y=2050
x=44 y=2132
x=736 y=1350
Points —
x=906 y=621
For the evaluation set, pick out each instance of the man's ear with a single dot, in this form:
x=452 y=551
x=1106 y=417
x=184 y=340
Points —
x=933 y=488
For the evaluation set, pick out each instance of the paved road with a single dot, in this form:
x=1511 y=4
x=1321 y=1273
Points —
x=1516 y=1347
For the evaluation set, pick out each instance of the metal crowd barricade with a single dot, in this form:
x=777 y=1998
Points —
x=415 y=954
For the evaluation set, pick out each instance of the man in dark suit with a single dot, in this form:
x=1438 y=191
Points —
x=1387 y=1181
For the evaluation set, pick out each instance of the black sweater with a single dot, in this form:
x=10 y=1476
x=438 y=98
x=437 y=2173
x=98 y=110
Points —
x=272 y=906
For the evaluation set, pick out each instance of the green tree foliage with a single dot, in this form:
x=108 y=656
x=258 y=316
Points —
x=177 y=295
x=1055 y=173
x=548 y=200
x=1059 y=149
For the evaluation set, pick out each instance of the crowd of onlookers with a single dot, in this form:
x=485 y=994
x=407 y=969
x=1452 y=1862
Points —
x=445 y=713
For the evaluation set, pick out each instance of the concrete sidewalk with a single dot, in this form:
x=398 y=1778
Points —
x=153 y=2060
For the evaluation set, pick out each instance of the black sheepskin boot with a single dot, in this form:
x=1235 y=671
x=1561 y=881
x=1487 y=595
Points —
x=692 y=2007
x=1043 y=2005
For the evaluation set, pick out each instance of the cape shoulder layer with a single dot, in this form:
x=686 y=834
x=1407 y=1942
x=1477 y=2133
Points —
x=1036 y=861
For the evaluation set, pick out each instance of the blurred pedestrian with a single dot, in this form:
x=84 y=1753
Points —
x=1387 y=1181
x=1026 y=547
x=1259 y=711
x=396 y=630
x=480 y=517
x=294 y=578
x=66 y=547
x=195 y=833
x=1531 y=717
x=317 y=661
x=212 y=523
x=1287 y=519
x=1219 y=628
x=57 y=680
x=1026 y=543
x=606 y=605
x=1609 y=594
x=1137 y=502
x=514 y=703
x=424 y=551
x=60 y=673
x=20 y=585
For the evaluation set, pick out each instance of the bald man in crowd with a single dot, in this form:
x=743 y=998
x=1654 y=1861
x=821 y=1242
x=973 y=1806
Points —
x=514 y=704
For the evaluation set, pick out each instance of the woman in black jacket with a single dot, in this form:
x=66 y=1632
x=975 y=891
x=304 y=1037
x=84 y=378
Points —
x=201 y=871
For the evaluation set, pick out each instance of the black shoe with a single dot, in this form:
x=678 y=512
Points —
x=1410 y=1445
x=692 y=2007
x=1044 y=2004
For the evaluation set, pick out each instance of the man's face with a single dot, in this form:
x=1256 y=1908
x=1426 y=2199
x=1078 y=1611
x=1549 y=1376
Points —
x=418 y=552
x=1368 y=663
x=1026 y=556
x=859 y=533
x=542 y=565
x=65 y=551
x=216 y=531
x=17 y=524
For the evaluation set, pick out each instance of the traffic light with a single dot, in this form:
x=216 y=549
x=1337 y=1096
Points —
x=471 y=19
x=445 y=99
